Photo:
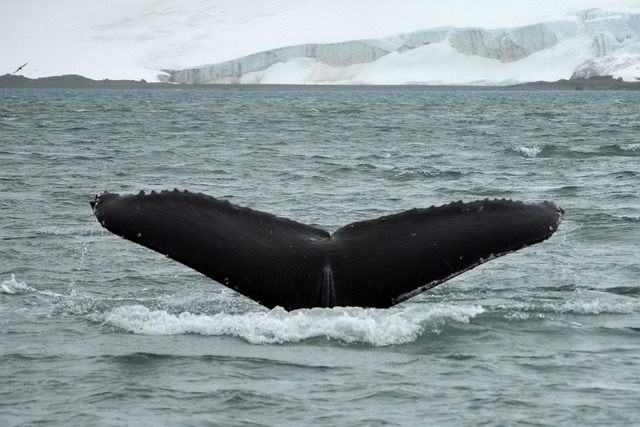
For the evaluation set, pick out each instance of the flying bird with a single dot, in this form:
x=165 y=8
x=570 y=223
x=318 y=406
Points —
x=20 y=67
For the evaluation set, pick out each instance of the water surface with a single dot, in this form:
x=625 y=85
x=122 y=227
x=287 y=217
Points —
x=97 y=330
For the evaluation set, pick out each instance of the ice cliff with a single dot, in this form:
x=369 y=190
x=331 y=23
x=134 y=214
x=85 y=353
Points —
x=591 y=43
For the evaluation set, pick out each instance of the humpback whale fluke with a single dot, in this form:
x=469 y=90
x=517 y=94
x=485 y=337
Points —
x=280 y=262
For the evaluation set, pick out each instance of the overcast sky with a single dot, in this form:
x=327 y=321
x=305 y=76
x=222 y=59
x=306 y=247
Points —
x=135 y=39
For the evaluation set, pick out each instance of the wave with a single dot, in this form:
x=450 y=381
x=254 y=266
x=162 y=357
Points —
x=15 y=287
x=224 y=313
x=624 y=291
x=88 y=230
x=530 y=152
x=632 y=149
x=219 y=312
x=571 y=307
x=347 y=324
x=552 y=151
x=12 y=286
x=410 y=173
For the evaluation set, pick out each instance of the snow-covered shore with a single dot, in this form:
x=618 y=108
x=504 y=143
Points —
x=123 y=39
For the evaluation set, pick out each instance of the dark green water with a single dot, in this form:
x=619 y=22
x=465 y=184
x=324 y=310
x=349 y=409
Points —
x=97 y=331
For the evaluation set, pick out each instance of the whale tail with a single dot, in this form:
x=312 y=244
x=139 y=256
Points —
x=279 y=262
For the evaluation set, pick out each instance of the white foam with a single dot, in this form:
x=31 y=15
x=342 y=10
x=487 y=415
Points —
x=598 y=306
x=530 y=152
x=12 y=286
x=630 y=147
x=347 y=324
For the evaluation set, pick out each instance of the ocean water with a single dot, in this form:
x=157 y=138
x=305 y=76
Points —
x=95 y=330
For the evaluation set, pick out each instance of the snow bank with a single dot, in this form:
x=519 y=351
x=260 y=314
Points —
x=598 y=43
x=124 y=39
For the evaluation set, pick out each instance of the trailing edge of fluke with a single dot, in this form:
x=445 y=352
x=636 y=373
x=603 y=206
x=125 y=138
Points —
x=280 y=262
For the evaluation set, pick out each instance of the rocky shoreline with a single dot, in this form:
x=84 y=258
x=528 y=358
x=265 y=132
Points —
x=74 y=81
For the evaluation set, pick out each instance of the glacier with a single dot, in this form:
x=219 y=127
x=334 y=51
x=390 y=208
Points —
x=595 y=42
